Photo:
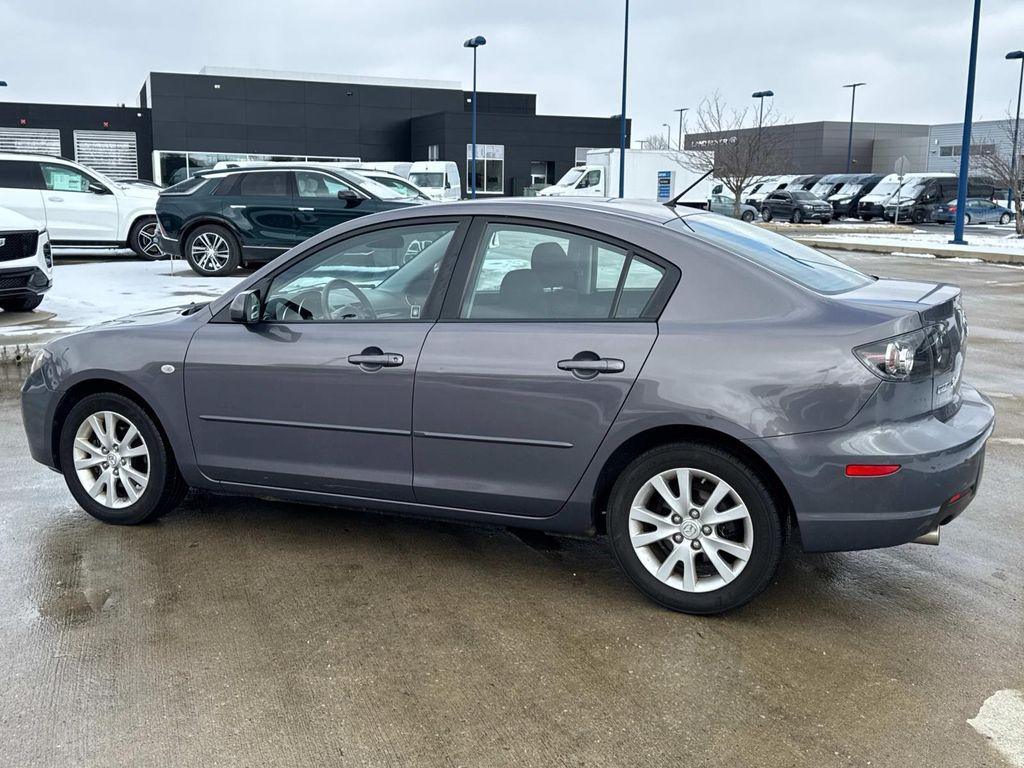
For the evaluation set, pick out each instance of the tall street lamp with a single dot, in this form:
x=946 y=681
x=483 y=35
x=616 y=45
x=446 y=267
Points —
x=679 y=138
x=474 y=43
x=622 y=116
x=849 y=142
x=668 y=136
x=760 y=113
x=965 y=145
x=1016 y=125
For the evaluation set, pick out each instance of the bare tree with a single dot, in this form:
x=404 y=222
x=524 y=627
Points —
x=739 y=148
x=999 y=166
x=655 y=141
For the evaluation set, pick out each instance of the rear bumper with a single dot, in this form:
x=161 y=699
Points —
x=168 y=245
x=940 y=471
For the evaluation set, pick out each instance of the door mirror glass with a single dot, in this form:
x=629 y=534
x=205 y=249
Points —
x=349 y=197
x=245 y=308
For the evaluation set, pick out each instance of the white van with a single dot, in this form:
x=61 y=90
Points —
x=438 y=178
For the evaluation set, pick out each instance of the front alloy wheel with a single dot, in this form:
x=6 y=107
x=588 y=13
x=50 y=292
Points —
x=116 y=462
x=695 y=528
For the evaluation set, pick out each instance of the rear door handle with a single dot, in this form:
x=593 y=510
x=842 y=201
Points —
x=373 y=359
x=306 y=209
x=590 y=368
x=238 y=207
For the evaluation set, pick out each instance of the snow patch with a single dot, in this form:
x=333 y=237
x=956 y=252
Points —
x=1001 y=721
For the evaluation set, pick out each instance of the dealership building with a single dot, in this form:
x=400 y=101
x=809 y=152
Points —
x=821 y=147
x=188 y=122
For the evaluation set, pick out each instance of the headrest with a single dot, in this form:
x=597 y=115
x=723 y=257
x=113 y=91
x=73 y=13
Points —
x=548 y=256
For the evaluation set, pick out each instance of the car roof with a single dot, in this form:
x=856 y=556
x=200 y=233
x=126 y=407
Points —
x=32 y=156
x=638 y=210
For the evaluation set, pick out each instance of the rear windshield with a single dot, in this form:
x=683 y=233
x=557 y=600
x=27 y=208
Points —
x=800 y=263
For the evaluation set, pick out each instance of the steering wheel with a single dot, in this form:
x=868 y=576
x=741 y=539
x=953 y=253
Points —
x=361 y=310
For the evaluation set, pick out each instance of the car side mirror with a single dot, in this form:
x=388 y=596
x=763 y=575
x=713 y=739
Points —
x=98 y=189
x=349 y=197
x=245 y=308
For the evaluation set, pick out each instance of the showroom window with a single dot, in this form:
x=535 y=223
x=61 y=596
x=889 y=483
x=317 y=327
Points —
x=536 y=273
x=490 y=168
x=171 y=167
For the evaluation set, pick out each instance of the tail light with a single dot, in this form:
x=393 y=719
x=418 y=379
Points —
x=902 y=358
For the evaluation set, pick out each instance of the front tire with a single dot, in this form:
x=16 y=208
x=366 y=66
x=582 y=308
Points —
x=766 y=214
x=694 y=528
x=967 y=218
x=116 y=463
x=797 y=217
x=212 y=251
x=142 y=239
x=747 y=216
x=24 y=304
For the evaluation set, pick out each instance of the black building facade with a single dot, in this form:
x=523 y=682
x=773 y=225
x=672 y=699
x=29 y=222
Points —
x=188 y=122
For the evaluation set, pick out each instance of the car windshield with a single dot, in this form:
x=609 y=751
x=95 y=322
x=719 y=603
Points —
x=800 y=263
x=886 y=187
x=800 y=195
x=375 y=188
x=429 y=180
x=850 y=188
x=910 y=189
x=570 y=178
x=401 y=186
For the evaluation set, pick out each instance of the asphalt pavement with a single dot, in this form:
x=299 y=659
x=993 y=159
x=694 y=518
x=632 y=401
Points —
x=239 y=632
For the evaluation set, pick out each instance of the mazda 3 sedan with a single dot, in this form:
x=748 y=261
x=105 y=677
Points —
x=691 y=385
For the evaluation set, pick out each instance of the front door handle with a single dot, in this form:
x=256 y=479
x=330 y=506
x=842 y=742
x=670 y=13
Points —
x=55 y=199
x=589 y=367
x=373 y=359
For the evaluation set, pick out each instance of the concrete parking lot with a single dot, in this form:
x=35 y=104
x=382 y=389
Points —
x=256 y=633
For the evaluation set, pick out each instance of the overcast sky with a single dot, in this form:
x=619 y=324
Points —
x=912 y=53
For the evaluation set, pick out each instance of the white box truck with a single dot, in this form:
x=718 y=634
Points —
x=651 y=174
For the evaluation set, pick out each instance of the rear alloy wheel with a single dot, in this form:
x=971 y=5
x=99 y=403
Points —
x=694 y=528
x=142 y=239
x=918 y=217
x=212 y=251
x=1005 y=218
x=116 y=462
x=747 y=216
x=967 y=218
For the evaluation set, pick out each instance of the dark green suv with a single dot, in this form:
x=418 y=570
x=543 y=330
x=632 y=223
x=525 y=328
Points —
x=219 y=220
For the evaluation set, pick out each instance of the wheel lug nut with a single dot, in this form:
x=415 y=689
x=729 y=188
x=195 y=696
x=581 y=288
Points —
x=125 y=461
x=106 y=464
x=105 y=451
x=695 y=544
x=706 y=530
x=677 y=538
x=694 y=513
x=676 y=519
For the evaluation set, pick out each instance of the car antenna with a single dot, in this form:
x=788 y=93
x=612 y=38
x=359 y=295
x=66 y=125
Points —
x=675 y=200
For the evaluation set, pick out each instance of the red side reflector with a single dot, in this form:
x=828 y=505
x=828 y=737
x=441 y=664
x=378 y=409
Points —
x=955 y=497
x=871 y=470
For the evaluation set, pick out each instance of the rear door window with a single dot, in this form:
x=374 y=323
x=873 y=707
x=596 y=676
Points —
x=20 y=174
x=525 y=272
x=265 y=184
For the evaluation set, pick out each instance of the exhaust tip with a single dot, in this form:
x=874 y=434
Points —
x=931 y=538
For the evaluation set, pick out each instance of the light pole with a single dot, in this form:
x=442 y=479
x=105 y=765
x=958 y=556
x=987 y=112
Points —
x=679 y=138
x=474 y=43
x=849 y=142
x=760 y=112
x=622 y=130
x=668 y=139
x=965 y=146
x=1016 y=124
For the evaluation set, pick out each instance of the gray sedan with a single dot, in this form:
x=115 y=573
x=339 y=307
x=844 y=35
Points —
x=691 y=386
x=723 y=204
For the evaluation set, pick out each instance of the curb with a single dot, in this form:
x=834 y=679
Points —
x=942 y=252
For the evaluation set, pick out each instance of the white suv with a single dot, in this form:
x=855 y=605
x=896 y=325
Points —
x=79 y=206
x=26 y=264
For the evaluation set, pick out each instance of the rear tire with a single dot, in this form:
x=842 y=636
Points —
x=116 y=463
x=967 y=218
x=654 y=540
x=1005 y=218
x=142 y=239
x=747 y=216
x=866 y=217
x=25 y=304
x=212 y=251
